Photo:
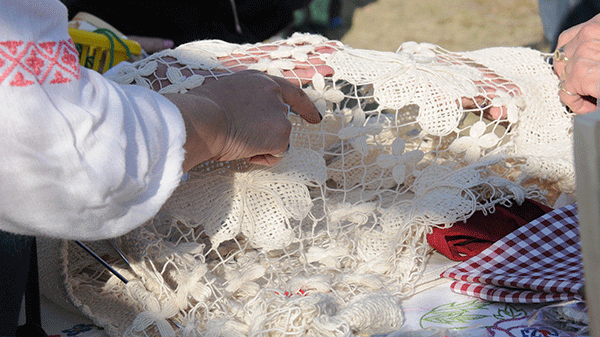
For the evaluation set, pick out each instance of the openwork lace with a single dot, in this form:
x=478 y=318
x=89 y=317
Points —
x=331 y=240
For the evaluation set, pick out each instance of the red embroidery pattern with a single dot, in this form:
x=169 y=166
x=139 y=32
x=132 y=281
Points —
x=23 y=64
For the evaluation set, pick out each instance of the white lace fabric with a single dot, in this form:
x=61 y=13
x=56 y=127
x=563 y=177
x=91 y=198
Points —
x=331 y=240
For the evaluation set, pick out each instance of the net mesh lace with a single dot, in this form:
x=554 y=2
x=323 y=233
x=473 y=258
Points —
x=331 y=240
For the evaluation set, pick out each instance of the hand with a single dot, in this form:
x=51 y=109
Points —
x=580 y=71
x=243 y=115
x=303 y=70
x=152 y=44
x=490 y=86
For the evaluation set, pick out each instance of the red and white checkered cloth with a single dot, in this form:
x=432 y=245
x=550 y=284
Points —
x=539 y=262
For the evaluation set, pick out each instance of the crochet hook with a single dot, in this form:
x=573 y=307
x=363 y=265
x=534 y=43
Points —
x=104 y=263
x=112 y=270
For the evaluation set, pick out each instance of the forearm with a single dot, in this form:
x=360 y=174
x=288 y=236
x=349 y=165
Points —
x=87 y=166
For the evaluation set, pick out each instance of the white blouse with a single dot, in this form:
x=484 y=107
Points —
x=81 y=157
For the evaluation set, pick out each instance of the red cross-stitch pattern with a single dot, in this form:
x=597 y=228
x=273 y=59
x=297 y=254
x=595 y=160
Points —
x=23 y=64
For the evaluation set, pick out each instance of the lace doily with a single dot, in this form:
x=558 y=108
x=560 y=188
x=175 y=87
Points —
x=331 y=240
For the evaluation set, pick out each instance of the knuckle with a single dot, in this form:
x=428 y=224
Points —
x=586 y=47
x=563 y=38
x=281 y=129
x=272 y=87
x=590 y=31
x=577 y=69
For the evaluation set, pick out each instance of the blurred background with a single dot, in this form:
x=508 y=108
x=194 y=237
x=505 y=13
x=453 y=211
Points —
x=456 y=25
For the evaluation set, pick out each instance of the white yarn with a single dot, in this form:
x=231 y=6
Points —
x=180 y=84
x=155 y=317
x=373 y=313
x=329 y=242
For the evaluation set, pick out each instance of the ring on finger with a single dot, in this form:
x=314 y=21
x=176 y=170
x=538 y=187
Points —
x=560 y=55
x=561 y=86
x=290 y=112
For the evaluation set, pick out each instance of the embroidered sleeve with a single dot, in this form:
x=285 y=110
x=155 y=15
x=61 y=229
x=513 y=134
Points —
x=81 y=157
x=25 y=63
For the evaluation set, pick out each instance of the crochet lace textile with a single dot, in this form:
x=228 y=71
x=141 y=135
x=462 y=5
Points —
x=331 y=240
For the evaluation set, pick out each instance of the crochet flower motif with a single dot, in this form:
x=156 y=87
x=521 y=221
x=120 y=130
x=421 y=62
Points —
x=192 y=284
x=476 y=141
x=156 y=315
x=402 y=79
x=304 y=38
x=137 y=75
x=243 y=281
x=180 y=84
x=359 y=131
x=273 y=67
x=399 y=161
x=419 y=52
x=512 y=104
x=298 y=53
x=320 y=95
x=258 y=202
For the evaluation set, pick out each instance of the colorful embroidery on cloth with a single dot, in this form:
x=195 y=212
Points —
x=539 y=262
x=23 y=64
x=521 y=327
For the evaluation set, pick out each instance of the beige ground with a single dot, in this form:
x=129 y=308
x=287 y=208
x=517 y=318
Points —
x=457 y=25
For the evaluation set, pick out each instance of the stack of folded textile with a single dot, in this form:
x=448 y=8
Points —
x=466 y=239
x=539 y=262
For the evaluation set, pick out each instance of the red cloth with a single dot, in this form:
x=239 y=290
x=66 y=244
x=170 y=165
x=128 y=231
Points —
x=466 y=239
x=537 y=263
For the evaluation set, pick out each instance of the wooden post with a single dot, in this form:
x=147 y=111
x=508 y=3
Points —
x=586 y=132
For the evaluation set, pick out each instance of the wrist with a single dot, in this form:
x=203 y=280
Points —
x=203 y=119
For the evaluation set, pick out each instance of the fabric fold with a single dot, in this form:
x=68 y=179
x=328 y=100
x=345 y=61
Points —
x=466 y=239
x=542 y=257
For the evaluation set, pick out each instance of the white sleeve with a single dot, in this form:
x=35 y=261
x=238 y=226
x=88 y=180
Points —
x=81 y=157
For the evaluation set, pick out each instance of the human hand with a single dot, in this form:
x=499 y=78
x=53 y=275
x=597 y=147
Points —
x=303 y=67
x=493 y=89
x=243 y=115
x=152 y=44
x=301 y=72
x=577 y=64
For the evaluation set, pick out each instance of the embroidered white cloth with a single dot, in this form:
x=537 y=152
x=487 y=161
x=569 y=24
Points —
x=81 y=157
x=539 y=262
x=329 y=242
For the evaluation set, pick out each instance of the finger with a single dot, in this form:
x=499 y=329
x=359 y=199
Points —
x=582 y=77
x=498 y=112
x=478 y=103
x=328 y=48
x=581 y=86
x=559 y=62
x=578 y=104
x=568 y=35
x=152 y=44
x=295 y=97
x=559 y=69
x=576 y=41
x=265 y=160
x=302 y=75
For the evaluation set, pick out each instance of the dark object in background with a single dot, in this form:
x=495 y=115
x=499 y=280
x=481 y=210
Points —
x=186 y=21
x=581 y=13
